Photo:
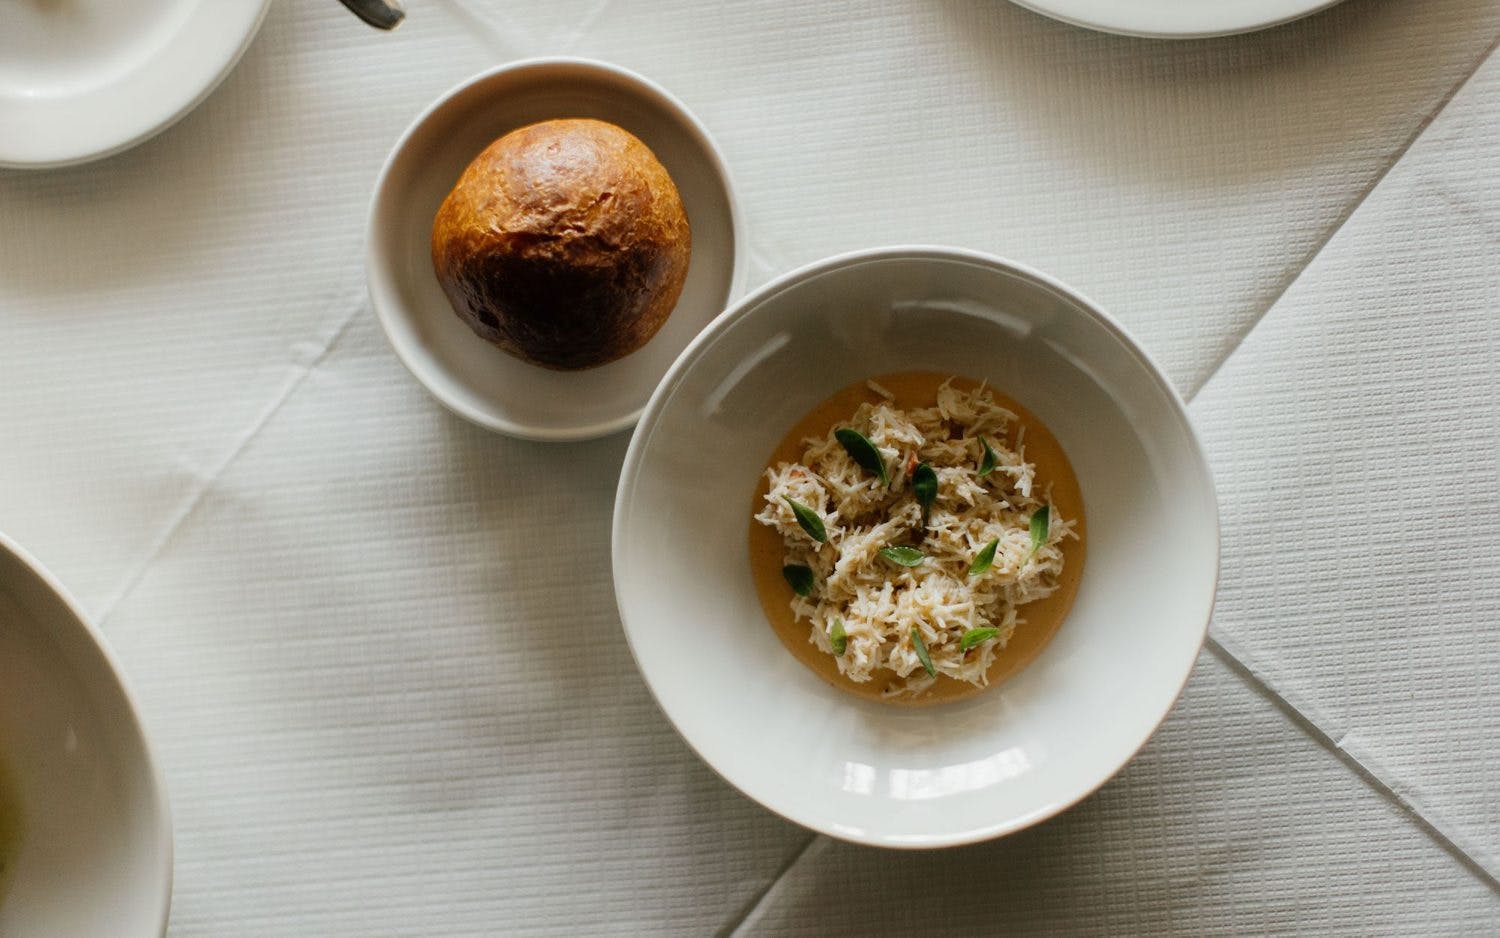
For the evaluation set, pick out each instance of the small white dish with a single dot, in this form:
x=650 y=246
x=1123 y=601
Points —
x=95 y=845
x=1177 y=19
x=871 y=772
x=473 y=378
x=83 y=79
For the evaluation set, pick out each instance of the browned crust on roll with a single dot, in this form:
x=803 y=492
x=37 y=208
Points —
x=564 y=243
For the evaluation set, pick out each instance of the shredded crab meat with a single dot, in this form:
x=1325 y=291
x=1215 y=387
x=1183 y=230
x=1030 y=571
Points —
x=881 y=604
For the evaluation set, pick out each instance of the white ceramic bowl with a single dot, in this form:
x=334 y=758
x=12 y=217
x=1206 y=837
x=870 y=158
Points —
x=1177 y=19
x=83 y=79
x=870 y=772
x=95 y=855
x=475 y=379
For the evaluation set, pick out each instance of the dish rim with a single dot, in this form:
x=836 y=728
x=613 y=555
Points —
x=1040 y=7
x=135 y=728
x=630 y=470
x=151 y=130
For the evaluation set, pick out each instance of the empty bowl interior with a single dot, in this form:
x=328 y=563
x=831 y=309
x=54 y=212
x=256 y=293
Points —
x=94 y=853
x=471 y=376
x=874 y=772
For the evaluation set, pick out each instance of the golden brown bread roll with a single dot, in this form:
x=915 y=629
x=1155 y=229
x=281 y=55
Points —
x=564 y=243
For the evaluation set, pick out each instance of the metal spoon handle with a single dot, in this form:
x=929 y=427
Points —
x=382 y=14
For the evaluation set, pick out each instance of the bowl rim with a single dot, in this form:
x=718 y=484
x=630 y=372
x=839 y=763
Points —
x=134 y=727
x=738 y=310
x=1255 y=22
x=381 y=283
x=146 y=130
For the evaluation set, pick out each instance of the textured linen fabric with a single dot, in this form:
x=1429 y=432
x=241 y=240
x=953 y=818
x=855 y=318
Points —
x=1355 y=436
x=354 y=622
x=394 y=697
x=1229 y=822
x=158 y=303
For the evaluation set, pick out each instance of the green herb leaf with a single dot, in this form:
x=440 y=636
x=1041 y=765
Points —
x=984 y=559
x=922 y=655
x=976 y=637
x=862 y=451
x=1039 y=528
x=808 y=519
x=987 y=464
x=837 y=637
x=903 y=556
x=799 y=578
x=924 y=485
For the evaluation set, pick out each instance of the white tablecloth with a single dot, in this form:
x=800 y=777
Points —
x=351 y=617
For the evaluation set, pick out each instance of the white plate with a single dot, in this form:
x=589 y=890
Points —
x=475 y=379
x=862 y=770
x=81 y=79
x=96 y=843
x=1177 y=19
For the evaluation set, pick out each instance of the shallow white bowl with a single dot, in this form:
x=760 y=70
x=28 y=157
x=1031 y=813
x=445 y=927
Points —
x=95 y=854
x=475 y=379
x=83 y=79
x=1177 y=19
x=870 y=772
